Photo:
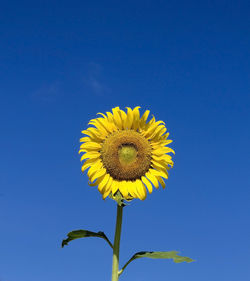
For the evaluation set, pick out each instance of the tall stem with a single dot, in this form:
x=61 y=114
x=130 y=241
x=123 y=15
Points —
x=116 y=248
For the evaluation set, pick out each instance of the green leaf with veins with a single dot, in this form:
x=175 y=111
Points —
x=158 y=255
x=76 y=234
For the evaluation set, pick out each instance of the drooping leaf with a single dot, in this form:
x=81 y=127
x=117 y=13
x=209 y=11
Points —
x=158 y=255
x=162 y=255
x=76 y=234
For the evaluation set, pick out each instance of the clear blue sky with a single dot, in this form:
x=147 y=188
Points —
x=61 y=62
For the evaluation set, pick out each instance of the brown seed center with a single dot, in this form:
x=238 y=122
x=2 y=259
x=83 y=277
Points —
x=126 y=155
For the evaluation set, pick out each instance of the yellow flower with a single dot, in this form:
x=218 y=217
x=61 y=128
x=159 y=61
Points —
x=125 y=154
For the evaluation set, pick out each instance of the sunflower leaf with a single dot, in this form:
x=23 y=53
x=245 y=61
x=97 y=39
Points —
x=157 y=255
x=76 y=234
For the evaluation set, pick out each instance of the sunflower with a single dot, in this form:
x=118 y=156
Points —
x=125 y=154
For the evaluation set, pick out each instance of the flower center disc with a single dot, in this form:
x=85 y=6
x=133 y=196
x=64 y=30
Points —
x=126 y=155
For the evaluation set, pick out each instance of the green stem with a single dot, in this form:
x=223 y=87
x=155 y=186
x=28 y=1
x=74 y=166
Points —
x=116 y=246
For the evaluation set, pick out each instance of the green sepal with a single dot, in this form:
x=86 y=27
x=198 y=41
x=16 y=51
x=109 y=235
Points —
x=75 y=234
x=118 y=198
x=158 y=255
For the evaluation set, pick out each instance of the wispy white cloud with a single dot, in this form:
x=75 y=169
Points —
x=48 y=93
x=93 y=79
x=96 y=85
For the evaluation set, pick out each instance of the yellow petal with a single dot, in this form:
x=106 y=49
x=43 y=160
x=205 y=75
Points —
x=99 y=126
x=94 y=168
x=160 y=173
x=88 y=163
x=96 y=182
x=103 y=115
x=148 y=125
x=164 y=137
x=107 y=188
x=110 y=116
x=144 y=119
x=109 y=126
x=85 y=139
x=93 y=133
x=152 y=128
x=147 y=183
x=123 y=188
x=159 y=165
x=161 y=129
x=111 y=121
x=141 y=189
x=153 y=179
x=136 y=117
x=123 y=117
x=162 y=151
x=115 y=186
x=132 y=189
x=165 y=158
x=160 y=143
x=90 y=155
x=161 y=133
x=91 y=145
x=117 y=117
x=103 y=183
x=98 y=174
x=161 y=182
x=129 y=120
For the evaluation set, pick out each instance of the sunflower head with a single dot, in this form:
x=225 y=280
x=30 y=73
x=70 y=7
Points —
x=125 y=155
